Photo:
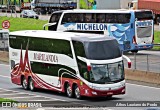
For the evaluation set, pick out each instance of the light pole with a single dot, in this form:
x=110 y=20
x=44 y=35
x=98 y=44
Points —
x=77 y=4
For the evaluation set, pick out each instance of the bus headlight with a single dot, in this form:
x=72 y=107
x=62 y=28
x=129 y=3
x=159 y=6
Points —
x=94 y=93
x=90 y=86
x=122 y=84
x=123 y=90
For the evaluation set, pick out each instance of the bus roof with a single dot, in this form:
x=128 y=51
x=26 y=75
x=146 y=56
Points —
x=92 y=11
x=61 y=35
x=98 y=11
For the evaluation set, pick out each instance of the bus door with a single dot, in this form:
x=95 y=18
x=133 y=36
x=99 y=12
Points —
x=54 y=19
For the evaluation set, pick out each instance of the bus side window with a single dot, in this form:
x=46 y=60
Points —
x=54 y=19
x=75 y=17
x=1 y=37
x=100 y=18
x=66 y=18
x=82 y=66
x=88 y=18
x=81 y=18
x=108 y=18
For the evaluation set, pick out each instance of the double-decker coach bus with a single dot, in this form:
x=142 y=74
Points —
x=133 y=29
x=75 y=63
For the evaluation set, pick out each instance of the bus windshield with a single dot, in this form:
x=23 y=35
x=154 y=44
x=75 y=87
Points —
x=143 y=15
x=102 y=50
x=107 y=73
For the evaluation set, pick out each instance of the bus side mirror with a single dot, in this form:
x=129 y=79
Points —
x=48 y=24
x=85 y=60
x=128 y=60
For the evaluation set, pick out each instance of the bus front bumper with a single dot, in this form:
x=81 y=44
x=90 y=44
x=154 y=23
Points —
x=98 y=93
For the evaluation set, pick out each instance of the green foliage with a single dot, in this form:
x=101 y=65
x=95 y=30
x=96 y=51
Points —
x=23 y=23
x=12 y=1
x=157 y=37
x=86 y=4
x=6 y=100
x=156 y=40
x=83 y=4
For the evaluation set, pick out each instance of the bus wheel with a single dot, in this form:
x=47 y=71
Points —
x=69 y=91
x=109 y=97
x=134 y=51
x=31 y=84
x=24 y=83
x=77 y=92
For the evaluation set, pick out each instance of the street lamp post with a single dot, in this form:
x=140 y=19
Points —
x=78 y=4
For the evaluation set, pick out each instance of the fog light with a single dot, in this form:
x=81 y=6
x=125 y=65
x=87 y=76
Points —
x=95 y=93
x=123 y=90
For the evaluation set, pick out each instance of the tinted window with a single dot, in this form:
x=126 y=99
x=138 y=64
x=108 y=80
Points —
x=82 y=66
x=118 y=17
x=96 y=18
x=100 y=18
x=143 y=15
x=90 y=18
x=50 y=69
x=102 y=50
x=73 y=18
x=54 y=19
x=1 y=37
x=41 y=44
x=79 y=49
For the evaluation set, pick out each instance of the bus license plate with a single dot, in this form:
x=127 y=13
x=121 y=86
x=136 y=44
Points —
x=110 y=93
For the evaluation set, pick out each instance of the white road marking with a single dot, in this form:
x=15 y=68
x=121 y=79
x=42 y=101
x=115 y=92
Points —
x=5 y=91
x=4 y=65
x=13 y=93
x=5 y=76
x=143 y=86
x=34 y=94
x=25 y=97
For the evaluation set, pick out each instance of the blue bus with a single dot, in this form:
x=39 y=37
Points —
x=133 y=29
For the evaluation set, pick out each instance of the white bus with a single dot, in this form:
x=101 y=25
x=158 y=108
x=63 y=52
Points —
x=133 y=29
x=75 y=63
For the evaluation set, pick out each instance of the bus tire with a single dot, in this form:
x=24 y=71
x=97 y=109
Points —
x=24 y=83
x=77 y=92
x=134 y=51
x=69 y=90
x=31 y=84
x=109 y=97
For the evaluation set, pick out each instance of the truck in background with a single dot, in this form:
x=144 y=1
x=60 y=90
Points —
x=12 y=6
x=48 y=6
x=113 y=4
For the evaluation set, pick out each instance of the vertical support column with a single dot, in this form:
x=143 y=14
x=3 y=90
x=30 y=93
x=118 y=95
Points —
x=9 y=2
x=78 y=4
x=135 y=61
x=147 y=63
x=2 y=2
x=19 y=3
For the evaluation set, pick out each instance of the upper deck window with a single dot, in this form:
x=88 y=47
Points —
x=143 y=15
x=102 y=50
x=96 y=18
